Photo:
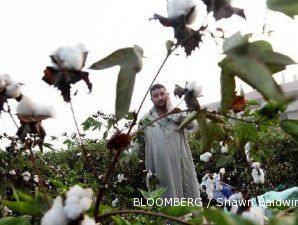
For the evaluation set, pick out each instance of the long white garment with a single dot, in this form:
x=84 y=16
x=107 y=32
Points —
x=168 y=156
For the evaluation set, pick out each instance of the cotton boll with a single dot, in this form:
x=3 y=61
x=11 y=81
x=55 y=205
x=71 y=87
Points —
x=72 y=58
x=224 y=148
x=222 y=170
x=73 y=211
x=77 y=201
x=30 y=108
x=247 y=150
x=5 y=80
x=121 y=177
x=56 y=215
x=197 y=90
x=258 y=176
x=177 y=8
x=205 y=157
x=45 y=111
x=85 y=203
x=13 y=90
x=115 y=202
x=79 y=192
x=255 y=215
x=26 y=106
x=88 y=221
x=256 y=165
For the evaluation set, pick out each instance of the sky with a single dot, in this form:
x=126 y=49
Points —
x=32 y=29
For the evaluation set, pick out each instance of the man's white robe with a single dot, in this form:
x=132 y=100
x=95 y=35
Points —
x=168 y=156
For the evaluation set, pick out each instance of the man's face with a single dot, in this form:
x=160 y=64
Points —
x=159 y=98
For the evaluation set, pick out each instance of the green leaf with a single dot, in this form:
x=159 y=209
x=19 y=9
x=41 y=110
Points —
x=191 y=117
x=21 y=196
x=263 y=51
x=257 y=75
x=288 y=7
x=245 y=132
x=291 y=127
x=130 y=62
x=90 y=122
x=203 y=126
x=224 y=161
x=120 y=221
x=15 y=221
x=154 y=194
x=228 y=86
x=178 y=211
x=218 y=217
x=24 y=208
x=235 y=42
x=40 y=201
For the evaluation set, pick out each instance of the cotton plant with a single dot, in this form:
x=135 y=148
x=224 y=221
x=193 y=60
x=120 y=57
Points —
x=223 y=148
x=9 y=89
x=68 y=62
x=115 y=202
x=181 y=14
x=257 y=173
x=78 y=201
x=205 y=157
x=247 y=148
x=31 y=116
x=120 y=178
x=26 y=176
x=191 y=92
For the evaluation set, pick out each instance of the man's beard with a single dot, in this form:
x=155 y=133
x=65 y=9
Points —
x=161 y=105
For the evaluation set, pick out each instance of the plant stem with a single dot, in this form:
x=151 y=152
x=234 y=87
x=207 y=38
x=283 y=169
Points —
x=143 y=213
x=36 y=171
x=85 y=153
x=11 y=116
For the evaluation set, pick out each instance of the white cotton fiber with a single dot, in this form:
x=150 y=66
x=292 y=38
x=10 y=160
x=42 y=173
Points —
x=196 y=89
x=13 y=90
x=206 y=157
x=72 y=57
x=78 y=200
x=28 y=107
x=56 y=215
x=88 y=221
x=178 y=8
x=258 y=176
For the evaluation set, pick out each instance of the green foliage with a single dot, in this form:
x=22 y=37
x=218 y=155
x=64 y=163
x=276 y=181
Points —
x=254 y=63
x=130 y=62
x=291 y=127
x=288 y=7
x=15 y=221
x=91 y=123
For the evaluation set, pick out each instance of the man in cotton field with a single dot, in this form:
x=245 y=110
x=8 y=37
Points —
x=166 y=150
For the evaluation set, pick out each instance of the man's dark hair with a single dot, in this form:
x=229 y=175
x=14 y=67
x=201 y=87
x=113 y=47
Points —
x=155 y=87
